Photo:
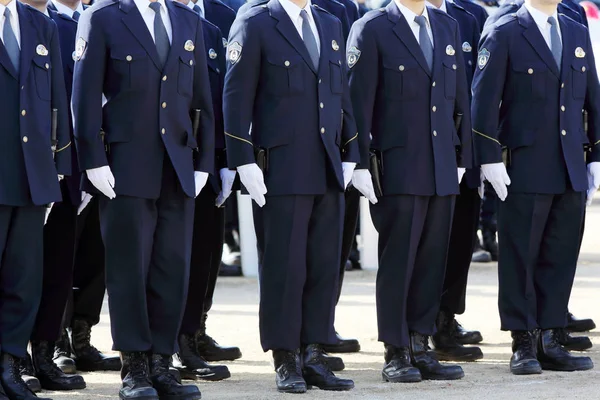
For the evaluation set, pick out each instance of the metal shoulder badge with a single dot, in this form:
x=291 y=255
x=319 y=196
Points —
x=80 y=47
x=234 y=52
x=353 y=56
x=483 y=57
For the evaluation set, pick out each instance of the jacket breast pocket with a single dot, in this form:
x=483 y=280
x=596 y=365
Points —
x=42 y=77
x=579 y=76
x=399 y=79
x=130 y=68
x=284 y=75
x=185 y=78
x=450 y=68
x=335 y=70
x=530 y=79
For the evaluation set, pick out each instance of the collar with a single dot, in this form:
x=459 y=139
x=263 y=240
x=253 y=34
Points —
x=199 y=3
x=61 y=8
x=12 y=6
x=442 y=7
x=143 y=5
x=540 y=18
x=294 y=11
x=409 y=15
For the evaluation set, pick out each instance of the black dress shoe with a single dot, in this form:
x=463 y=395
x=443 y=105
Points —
x=430 y=368
x=524 y=359
x=447 y=346
x=164 y=383
x=481 y=256
x=398 y=368
x=192 y=366
x=51 y=377
x=28 y=374
x=553 y=357
x=573 y=343
x=317 y=373
x=230 y=270
x=335 y=364
x=464 y=336
x=63 y=356
x=87 y=357
x=210 y=350
x=579 y=325
x=288 y=374
x=135 y=375
x=10 y=379
x=342 y=345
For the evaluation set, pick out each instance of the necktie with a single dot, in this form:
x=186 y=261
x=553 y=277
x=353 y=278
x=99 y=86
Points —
x=161 y=39
x=198 y=10
x=76 y=15
x=425 y=41
x=10 y=41
x=555 y=43
x=309 y=40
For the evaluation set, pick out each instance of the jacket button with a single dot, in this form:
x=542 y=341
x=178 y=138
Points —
x=530 y=71
x=164 y=78
x=48 y=66
x=401 y=68
x=562 y=108
x=321 y=105
x=562 y=85
x=434 y=108
x=434 y=133
x=25 y=139
x=322 y=130
x=319 y=80
x=23 y=113
x=163 y=131
x=453 y=66
x=563 y=132
x=582 y=69
x=287 y=63
x=164 y=105
x=433 y=84
x=129 y=58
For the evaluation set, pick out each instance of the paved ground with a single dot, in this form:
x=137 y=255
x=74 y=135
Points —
x=234 y=321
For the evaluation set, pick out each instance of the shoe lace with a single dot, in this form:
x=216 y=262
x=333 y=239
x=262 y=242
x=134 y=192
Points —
x=15 y=366
x=138 y=366
x=525 y=340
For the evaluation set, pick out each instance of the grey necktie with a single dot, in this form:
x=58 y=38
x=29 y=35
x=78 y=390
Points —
x=309 y=39
x=161 y=39
x=198 y=10
x=10 y=41
x=425 y=40
x=76 y=15
x=555 y=42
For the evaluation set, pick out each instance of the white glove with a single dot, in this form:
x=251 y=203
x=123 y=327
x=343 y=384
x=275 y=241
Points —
x=85 y=200
x=362 y=181
x=593 y=173
x=348 y=170
x=200 y=179
x=461 y=173
x=61 y=177
x=227 y=179
x=103 y=180
x=48 y=210
x=496 y=175
x=481 y=188
x=252 y=178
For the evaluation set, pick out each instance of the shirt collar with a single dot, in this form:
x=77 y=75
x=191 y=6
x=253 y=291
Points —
x=293 y=10
x=199 y=3
x=540 y=18
x=12 y=6
x=61 y=8
x=442 y=8
x=144 y=5
x=409 y=15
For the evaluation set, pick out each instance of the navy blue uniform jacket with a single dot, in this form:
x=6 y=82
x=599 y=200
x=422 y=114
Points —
x=296 y=111
x=28 y=174
x=479 y=12
x=220 y=15
x=511 y=7
x=406 y=108
x=148 y=108
x=523 y=102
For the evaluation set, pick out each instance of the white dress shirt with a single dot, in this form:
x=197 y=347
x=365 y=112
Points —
x=14 y=21
x=294 y=13
x=410 y=18
x=442 y=7
x=148 y=15
x=67 y=10
x=199 y=3
x=541 y=20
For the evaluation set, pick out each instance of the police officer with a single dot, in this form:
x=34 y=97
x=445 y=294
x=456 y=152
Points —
x=152 y=72
x=286 y=79
x=465 y=220
x=536 y=72
x=32 y=81
x=408 y=81
x=513 y=6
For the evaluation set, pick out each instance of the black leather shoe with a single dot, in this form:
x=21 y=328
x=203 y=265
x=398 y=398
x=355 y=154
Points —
x=51 y=377
x=192 y=366
x=430 y=368
x=11 y=382
x=398 y=368
x=342 y=345
x=63 y=356
x=288 y=374
x=135 y=375
x=573 y=343
x=230 y=270
x=335 y=364
x=524 y=359
x=210 y=350
x=464 y=336
x=166 y=386
x=579 y=325
x=87 y=357
x=447 y=346
x=28 y=374
x=553 y=357
x=317 y=373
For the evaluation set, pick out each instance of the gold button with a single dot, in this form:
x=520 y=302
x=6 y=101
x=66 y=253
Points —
x=563 y=132
x=582 y=69
x=322 y=130
x=562 y=108
x=25 y=139
x=129 y=58
x=434 y=108
x=401 y=68
x=164 y=78
x=191 y=62
x=47 y=66
x=433 y=84
x=287 y=63
x=434 y=133
x=321 y=105
x=562 y=85
x=453 y=66
x=163 y=131
x=530 y=71
x=23 y=113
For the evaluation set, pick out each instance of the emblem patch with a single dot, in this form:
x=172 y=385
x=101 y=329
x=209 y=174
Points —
x=450 y=50
x=334 y=45
x=482 y=58
x=212 y=54
x=466 y=47
x=579 y=53
x=224 y=43
x=41 y=50
x=234 y=52
x=189 y=45
x=353 y=56
x=80 y=48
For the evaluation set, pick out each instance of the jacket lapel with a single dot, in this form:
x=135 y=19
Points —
x=535 y=38
x=135 y=23
x=28 y=41
x=177 y=41
x=6 y=63
x=568 y=46
x=405 y=34
x=323 y=58
x=439 y=46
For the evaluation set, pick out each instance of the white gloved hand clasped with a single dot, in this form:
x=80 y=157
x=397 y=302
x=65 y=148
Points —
x=362 y=181
x=461 y=174
x=103 y=180
x=200 y=179
x=227 y=179
x=348 y=170
x=253 y=179
x=498 y=177
x=593 y=174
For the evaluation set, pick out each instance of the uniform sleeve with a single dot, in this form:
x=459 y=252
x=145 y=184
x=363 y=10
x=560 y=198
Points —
x=488 y=87
x=363 y=60
x=592 y=103
x=350 y=150
x=346 y=25
x=241 y=82
x=222 y=161
x=62 y=156
x=88 y=79
x=461 y=106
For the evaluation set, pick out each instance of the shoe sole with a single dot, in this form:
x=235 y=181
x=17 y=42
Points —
x=196 y=396
x=68 y=369
x=551 y=367
x=350 y=348
x=403 y=379
x=579 y=348
x=121 y=397
x=215 y=358
x=454 y=377
x=191 y=376
x=527 y=370
x=441 y=356
x=293 y=390
x=332 y=388
x=581 y=327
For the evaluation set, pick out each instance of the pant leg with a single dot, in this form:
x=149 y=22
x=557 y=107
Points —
x=460 y=251
x=215 y=259
x=284 y=231
x=521 y=224
x=430 y=266
x=21 y=270
x=489 y=208
x=555 y=269
x=323 y=255
x=351 y=215
x=399 y=221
